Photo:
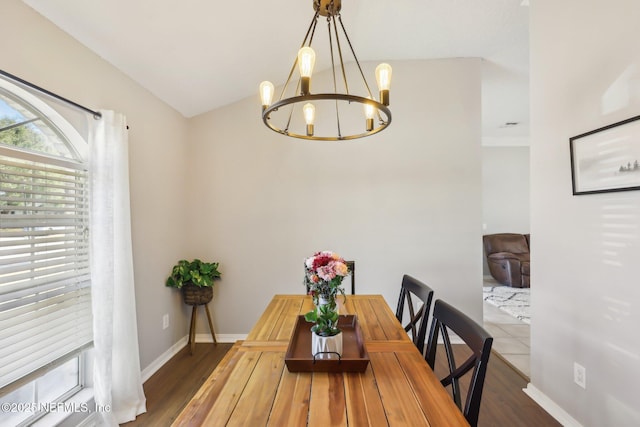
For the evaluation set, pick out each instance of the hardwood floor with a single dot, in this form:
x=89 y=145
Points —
x=172 y=386
x=503 y=401
x=504 y=404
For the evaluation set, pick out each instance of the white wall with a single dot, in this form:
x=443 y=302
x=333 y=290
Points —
x=407 y=200
x=586 y=299
x=35 y=50
x=505 y=191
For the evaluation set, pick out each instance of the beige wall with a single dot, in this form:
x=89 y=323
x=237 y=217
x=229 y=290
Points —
x=35 y=50
x=407 y=200
x=222 y=187
x=585 y=74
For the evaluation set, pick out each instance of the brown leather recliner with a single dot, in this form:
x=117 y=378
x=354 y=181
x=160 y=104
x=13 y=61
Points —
x=508 y=258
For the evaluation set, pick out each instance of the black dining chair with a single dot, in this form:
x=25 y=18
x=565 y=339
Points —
x=445 y=318
x=351 y=265
x=416 y=326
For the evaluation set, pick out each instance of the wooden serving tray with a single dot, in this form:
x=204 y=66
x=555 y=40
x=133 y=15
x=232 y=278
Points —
x=354 y=355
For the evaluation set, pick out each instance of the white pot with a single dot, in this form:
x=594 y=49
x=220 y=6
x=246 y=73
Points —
x=326 y=347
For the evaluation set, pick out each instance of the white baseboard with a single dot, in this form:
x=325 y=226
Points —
x=550 y=406
x=174 y=349
x=163 y=358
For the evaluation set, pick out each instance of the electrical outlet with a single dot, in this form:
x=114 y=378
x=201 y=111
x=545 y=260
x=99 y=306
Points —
x=165 y=321
x=580 y=375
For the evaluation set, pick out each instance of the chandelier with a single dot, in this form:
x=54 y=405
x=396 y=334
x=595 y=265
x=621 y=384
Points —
x=295 y=111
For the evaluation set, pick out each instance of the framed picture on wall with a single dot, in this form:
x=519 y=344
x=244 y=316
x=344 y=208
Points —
x=606 y=159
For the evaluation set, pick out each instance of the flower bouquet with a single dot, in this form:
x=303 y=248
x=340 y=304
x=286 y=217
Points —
x=324 y=272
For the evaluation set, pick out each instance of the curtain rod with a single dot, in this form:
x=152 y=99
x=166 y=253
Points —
x=96 y=114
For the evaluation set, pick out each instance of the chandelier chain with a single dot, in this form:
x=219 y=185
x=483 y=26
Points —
x=308 y=36
x=344 y=74
x=311 y=30
x=333 y=71
x=353 y=52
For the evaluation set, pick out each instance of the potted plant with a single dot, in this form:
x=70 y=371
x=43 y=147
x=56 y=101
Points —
x=324 y=272
x=326 y=337
x=195 y=279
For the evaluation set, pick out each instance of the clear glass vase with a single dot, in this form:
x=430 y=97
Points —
x=324 y=300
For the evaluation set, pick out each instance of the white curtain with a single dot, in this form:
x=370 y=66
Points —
x=117 y=379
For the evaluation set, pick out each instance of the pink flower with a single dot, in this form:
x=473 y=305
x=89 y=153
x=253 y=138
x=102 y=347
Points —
x=321 y=261
x=326 y=272
x=309 y=262
x=340 y=268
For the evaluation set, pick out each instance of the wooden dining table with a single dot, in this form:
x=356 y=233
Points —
x=252 y=385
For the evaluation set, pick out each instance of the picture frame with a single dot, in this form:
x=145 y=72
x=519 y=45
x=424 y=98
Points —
x=606 y=159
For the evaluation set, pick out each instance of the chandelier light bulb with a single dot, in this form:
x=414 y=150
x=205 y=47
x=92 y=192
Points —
x=369 y=110
x=369 y=113
x=306 y=62
x=309 y=112
x=383 y=77
x=266 y=93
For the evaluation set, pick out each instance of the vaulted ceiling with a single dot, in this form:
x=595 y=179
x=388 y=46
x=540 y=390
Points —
x=198 y=55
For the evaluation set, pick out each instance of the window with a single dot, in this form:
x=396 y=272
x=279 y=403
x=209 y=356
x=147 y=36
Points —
x=45 y=298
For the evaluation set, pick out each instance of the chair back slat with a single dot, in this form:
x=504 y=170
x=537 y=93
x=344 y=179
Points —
x=351 y=265
x=478 y=340
x=418 y=316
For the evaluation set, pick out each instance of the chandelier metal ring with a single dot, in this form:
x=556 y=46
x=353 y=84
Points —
x=381 y=108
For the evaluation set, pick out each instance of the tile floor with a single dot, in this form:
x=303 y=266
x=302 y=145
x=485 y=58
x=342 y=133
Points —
x=510 y=335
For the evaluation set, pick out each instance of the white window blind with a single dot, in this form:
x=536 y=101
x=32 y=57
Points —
x=45 y=299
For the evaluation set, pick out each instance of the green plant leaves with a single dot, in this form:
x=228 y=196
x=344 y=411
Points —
x=311 y=316
x=199 y=273
x=325 y=319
